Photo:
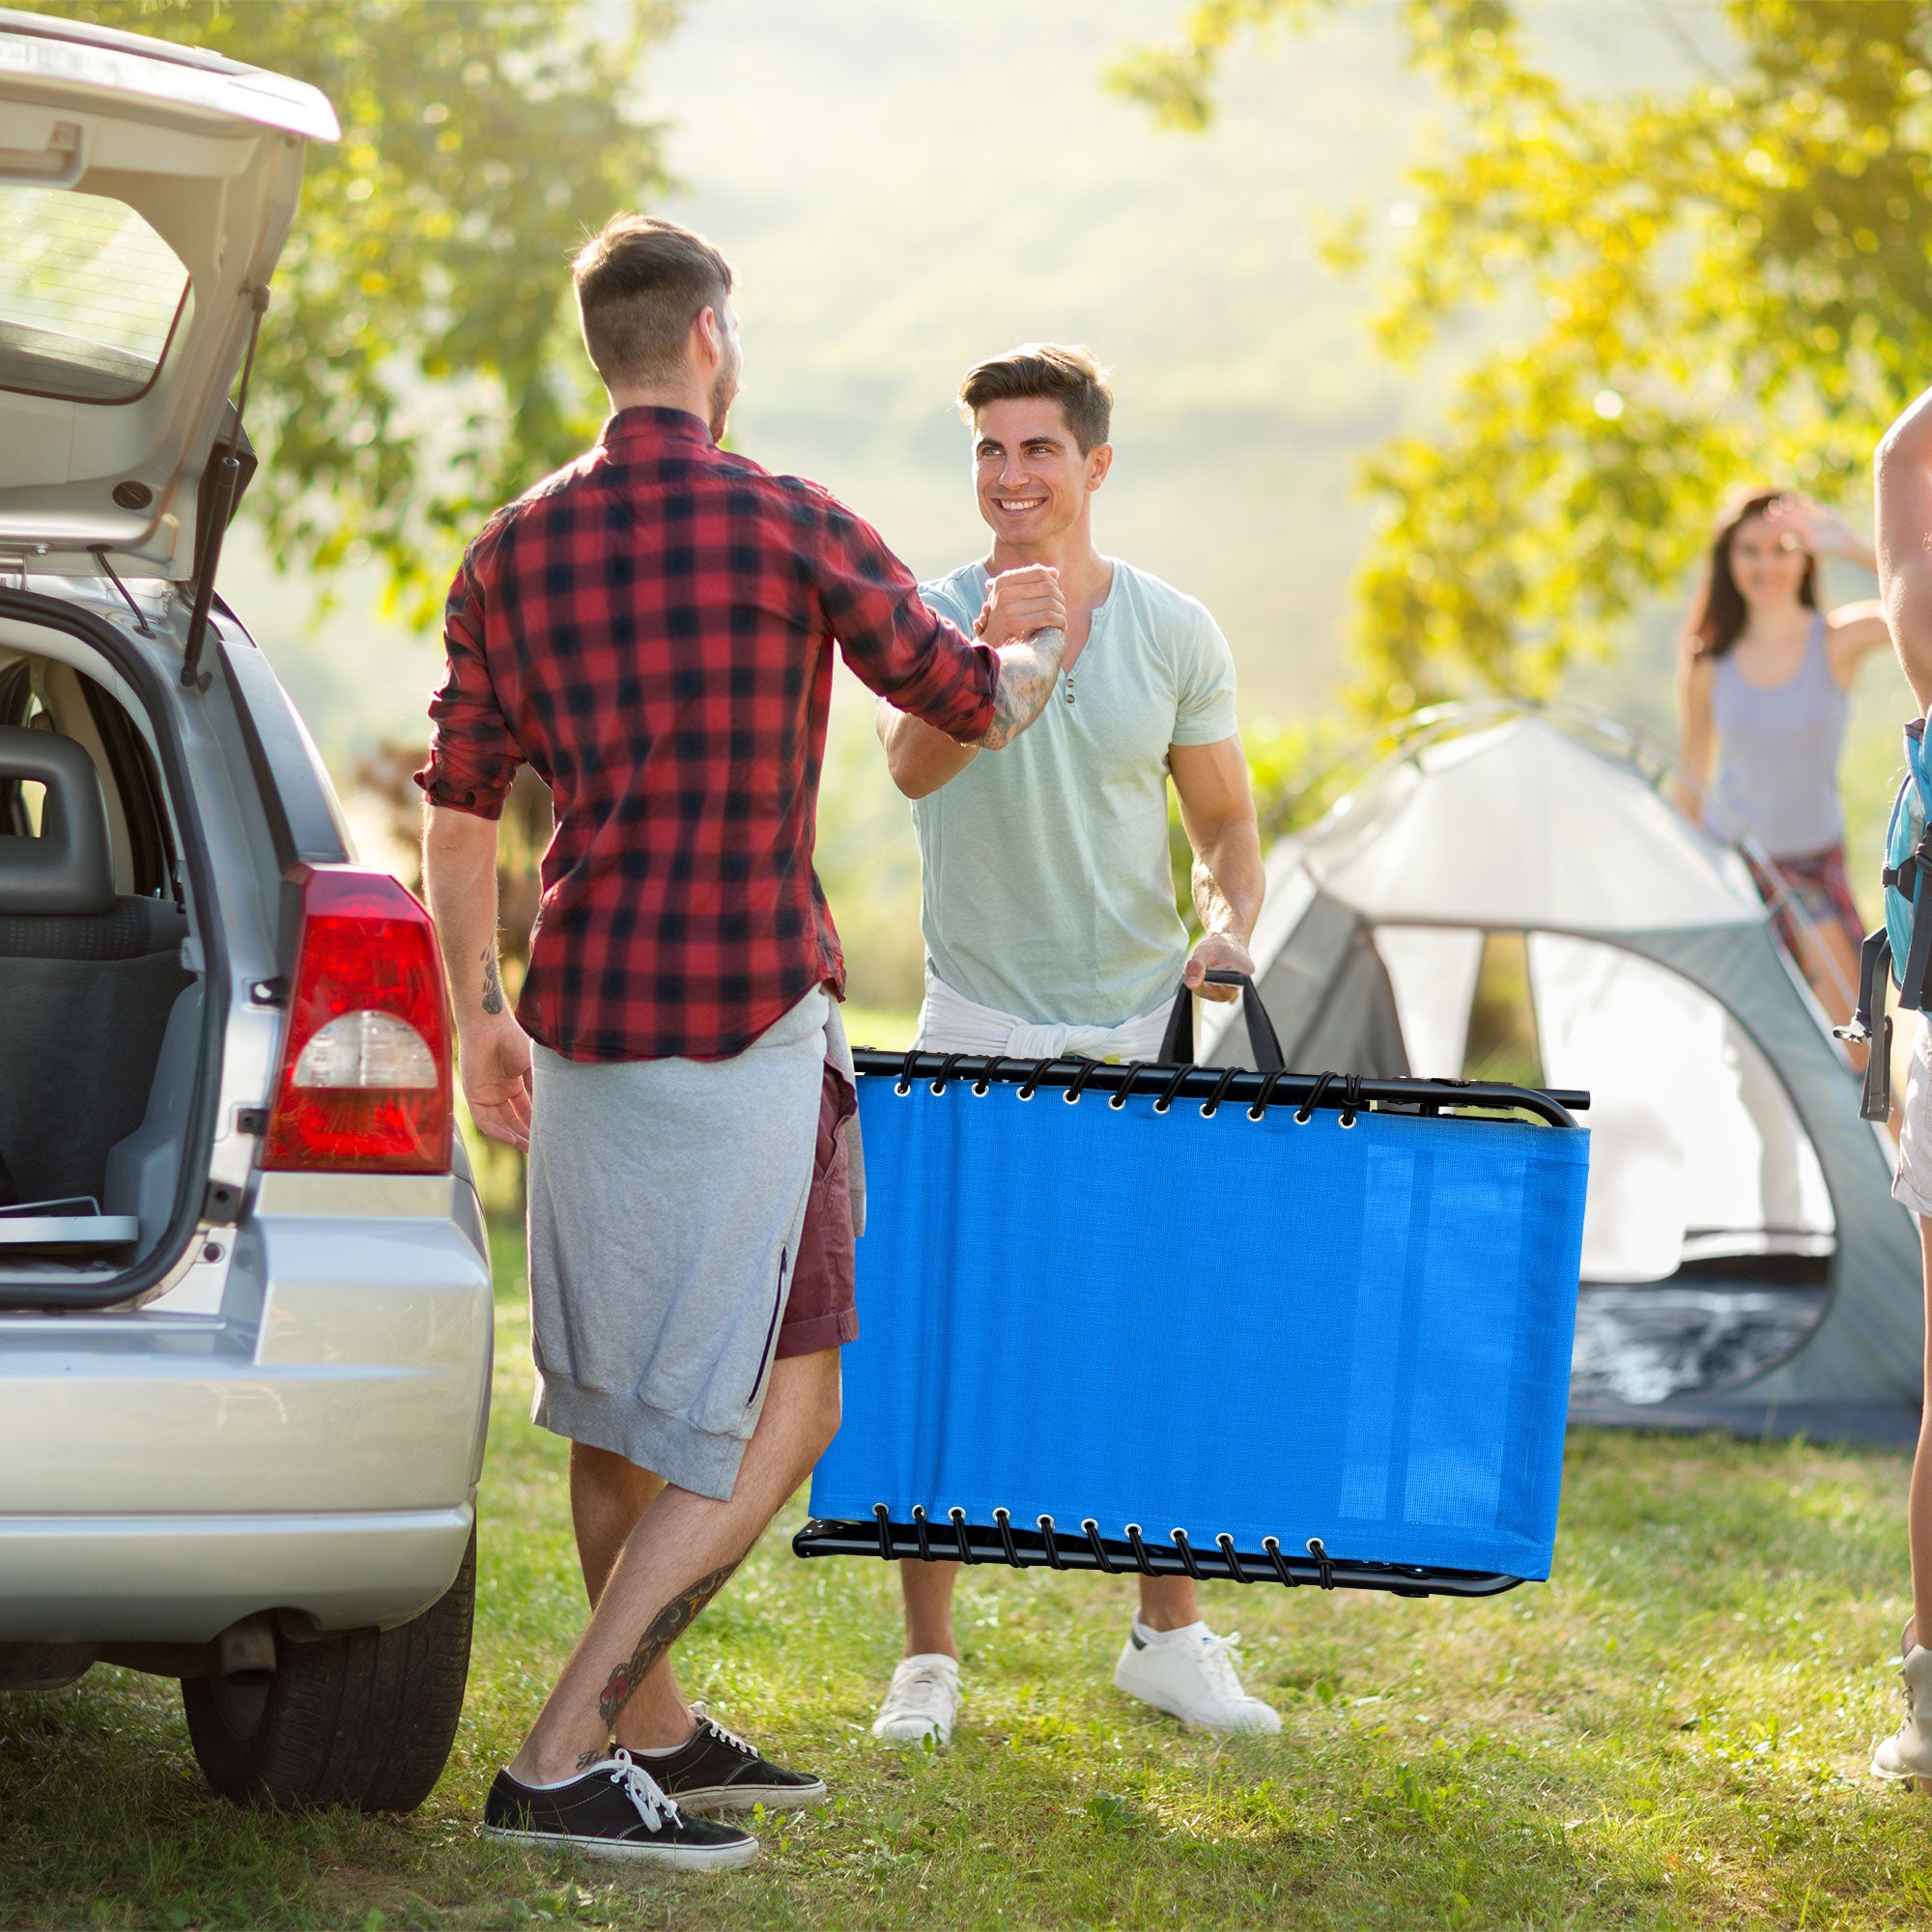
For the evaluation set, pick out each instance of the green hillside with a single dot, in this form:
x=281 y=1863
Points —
x=905 y=185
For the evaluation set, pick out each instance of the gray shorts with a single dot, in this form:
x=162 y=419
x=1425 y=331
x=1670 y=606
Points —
x=666 y=1203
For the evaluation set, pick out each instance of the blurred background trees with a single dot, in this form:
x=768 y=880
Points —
x=1701 y=285
x=419 y=365
x=1627 y=255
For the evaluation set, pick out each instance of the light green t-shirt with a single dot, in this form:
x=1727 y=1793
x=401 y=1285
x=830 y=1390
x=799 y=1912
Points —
x=1044 y=889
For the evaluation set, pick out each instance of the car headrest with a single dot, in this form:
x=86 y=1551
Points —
x=68 y=868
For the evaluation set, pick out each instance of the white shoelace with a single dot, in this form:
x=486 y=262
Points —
x=704 y=1716
x=918 y=1691
x=654 y=1807
x=1218 y=1666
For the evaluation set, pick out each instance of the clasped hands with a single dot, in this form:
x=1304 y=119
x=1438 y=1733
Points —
x=1019 y=603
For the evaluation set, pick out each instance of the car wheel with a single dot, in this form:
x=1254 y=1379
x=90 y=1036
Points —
x=365 y=1719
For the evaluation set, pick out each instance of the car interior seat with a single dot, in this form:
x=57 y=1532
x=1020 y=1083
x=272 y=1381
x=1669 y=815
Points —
x=89 y=979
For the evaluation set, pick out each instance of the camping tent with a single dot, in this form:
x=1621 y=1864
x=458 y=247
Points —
x=1511 y=896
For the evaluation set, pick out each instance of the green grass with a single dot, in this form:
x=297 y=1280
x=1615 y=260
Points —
x=1673 y=1732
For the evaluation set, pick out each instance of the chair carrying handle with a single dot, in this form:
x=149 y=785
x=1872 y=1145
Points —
x=1178 y=1048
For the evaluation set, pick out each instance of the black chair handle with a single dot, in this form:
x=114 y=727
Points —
x=1178 y=1048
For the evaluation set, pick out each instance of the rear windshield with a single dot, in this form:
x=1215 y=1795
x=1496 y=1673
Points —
x=88 y=296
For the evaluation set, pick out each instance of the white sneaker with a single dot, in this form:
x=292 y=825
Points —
x=1189 y=1674
x=1908 y=1752
x=923 y=1703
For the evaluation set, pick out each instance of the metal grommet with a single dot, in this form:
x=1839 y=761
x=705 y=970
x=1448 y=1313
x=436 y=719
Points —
x=1320 y=1553
x=1030 y=1083
x=1088 y=1068
x=1053 y=1556
x=1317 y=1093
x=1259 y=1111
x=1171 y=1088
x=1271 y=1549
x=1100 y=1556
x=1002 y=1521
x=1212 y=1105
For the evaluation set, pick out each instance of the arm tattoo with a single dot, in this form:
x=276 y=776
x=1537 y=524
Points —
x=1028 y=674
x=493 y=982
x=663 y=1631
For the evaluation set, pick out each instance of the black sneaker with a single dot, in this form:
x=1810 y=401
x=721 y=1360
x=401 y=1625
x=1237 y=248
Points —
x=717 y=1771
x=615 y=1810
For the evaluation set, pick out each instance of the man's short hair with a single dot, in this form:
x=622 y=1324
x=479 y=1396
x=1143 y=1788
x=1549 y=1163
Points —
x=641 y=284
x=1065 y=373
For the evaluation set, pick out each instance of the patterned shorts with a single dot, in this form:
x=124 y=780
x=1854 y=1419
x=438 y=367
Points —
x=1815 y=889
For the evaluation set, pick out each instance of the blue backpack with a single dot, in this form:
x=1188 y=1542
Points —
x=1901 y=948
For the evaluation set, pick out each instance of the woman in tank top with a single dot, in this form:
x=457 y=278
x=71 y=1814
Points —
x=1762 y=687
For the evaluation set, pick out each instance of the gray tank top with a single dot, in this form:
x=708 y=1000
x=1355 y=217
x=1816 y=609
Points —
x=1778 y=753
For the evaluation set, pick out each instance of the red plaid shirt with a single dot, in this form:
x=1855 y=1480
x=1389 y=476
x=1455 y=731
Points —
x=651 y=629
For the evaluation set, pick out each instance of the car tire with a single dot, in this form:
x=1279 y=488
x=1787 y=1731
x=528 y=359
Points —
x=365 y=1719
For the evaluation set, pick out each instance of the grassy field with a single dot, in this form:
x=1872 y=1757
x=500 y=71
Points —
x=1673 y=1732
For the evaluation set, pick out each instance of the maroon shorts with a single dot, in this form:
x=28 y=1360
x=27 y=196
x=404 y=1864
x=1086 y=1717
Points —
x=822 y=1312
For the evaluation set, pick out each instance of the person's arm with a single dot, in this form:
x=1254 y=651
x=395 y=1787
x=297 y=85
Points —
x=910 y=655
x=1822 y=531
x=492 y=1051
x=1217 y=811
x=1019 y=604
x=1902 y=474
x=1696 y=731
x=1028 y=670
x=473 y=758
x=1853 y=632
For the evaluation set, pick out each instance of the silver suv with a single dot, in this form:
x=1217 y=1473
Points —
x=244 y=1293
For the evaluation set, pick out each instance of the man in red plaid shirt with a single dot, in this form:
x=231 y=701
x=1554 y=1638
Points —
x=652 y=630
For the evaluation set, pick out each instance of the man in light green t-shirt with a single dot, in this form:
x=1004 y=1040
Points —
x=1046 y=898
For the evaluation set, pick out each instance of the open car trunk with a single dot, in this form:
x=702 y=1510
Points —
x=101 y=1002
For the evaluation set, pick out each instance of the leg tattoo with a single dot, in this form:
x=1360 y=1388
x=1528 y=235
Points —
x=663 y=1631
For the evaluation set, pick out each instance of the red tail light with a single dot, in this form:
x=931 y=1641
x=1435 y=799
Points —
x=364 y=1082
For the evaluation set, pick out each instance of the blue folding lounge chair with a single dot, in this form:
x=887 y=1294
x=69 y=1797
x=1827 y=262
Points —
x=1183 y=1319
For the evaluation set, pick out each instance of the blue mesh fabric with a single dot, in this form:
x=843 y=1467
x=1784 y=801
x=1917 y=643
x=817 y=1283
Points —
x=1261 y=1329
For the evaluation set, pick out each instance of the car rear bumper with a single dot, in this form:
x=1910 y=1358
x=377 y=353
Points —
x=184 y=1579
x=309 y=1439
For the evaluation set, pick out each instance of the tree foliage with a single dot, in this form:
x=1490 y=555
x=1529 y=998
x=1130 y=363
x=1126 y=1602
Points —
x=1717 y=284
x=416 y=367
